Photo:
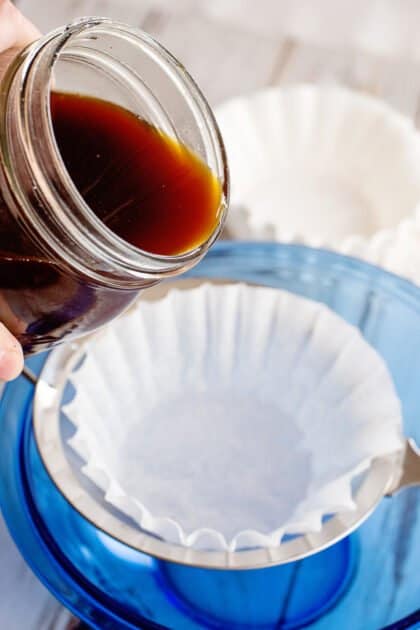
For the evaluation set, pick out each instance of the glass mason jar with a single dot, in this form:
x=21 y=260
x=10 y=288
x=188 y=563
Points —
x=63 y=273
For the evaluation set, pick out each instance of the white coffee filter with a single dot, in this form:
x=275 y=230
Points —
x=224 y=417
x=324 y=166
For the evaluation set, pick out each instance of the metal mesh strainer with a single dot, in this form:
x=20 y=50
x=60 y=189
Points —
x=382 y=478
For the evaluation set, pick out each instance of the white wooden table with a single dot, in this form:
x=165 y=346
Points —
x=228 y=53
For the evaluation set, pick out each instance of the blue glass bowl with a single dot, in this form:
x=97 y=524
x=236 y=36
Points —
x=110 y=585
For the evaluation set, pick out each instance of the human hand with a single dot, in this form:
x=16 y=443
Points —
x=15 y=30
x=15 y=33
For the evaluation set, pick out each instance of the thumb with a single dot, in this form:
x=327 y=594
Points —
x=11 y=355
x=15 y=29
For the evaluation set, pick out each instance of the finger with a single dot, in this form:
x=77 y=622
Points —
x=11 y=355
x=15 y=29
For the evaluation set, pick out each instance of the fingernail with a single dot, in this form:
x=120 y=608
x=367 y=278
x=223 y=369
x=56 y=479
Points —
x=11 y=355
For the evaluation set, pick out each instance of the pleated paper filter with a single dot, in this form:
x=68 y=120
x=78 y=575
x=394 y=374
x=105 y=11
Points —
x=325 y=166
x=224 y=417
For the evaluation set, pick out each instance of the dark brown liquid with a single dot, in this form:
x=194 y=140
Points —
x=148 y=189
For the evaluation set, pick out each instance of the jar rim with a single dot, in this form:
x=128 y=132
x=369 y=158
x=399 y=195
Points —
x=122 y=260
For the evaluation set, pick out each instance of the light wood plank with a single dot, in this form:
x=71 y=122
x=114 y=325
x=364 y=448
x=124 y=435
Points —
x=395 y=81
x=24 y=604
x=50 y=15
x=225 y=61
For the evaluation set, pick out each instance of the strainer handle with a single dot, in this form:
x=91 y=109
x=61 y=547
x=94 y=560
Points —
x=29 y=375
x=409 y=473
